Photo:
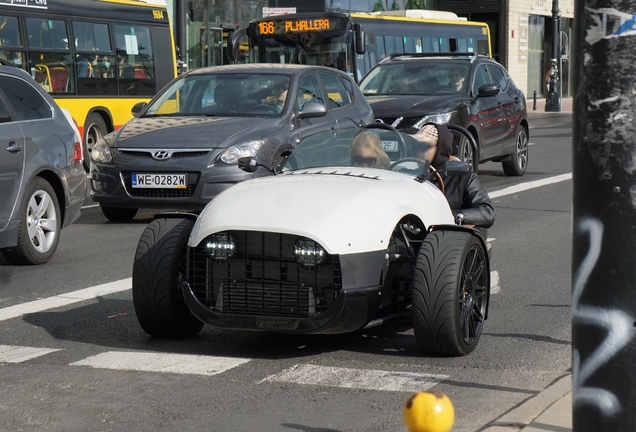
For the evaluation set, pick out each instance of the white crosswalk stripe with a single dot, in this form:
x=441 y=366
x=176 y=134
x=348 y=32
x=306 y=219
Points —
x=162 y=362
x=19 y=354
x=307 y=374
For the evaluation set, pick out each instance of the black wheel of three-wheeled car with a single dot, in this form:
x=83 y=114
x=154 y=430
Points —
x=158 y=270
x=116 y=214
x=450 y=293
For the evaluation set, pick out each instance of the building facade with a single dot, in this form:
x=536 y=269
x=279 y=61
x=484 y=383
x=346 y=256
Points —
x=521 y=30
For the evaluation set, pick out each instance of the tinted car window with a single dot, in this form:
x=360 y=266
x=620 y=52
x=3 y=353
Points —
x=26 y=101
x=499 y=77
x=4 y=113
x=481 y=78
x=309 y=91
x=338 y=96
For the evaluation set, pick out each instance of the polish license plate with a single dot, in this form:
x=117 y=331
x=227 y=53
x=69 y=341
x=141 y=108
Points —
x=389 y=145
x=159 y=181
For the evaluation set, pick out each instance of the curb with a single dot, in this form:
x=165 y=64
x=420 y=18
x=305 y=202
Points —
x=521 y=416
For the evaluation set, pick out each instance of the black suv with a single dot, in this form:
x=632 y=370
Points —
x=472 y=91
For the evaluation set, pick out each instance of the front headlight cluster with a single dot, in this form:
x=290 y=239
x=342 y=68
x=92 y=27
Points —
x=247 y=149
x=442 y=118
x=221 y=246
x=101 y=152
x=308 y=253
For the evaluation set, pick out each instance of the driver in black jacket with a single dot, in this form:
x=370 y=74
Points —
x=468 y=200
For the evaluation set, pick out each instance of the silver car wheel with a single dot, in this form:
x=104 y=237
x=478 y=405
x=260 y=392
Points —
x=522 y=150
x=41 y=220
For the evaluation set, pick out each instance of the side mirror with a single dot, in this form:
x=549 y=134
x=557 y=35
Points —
x=233 y=45
x=456 y=168
x=359 y=36
x=136 y=109
x=247 y=164
x=488 y=90
x=312 y=110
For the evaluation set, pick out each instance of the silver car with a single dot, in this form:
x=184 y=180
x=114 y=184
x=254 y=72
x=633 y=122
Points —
x=42 y=176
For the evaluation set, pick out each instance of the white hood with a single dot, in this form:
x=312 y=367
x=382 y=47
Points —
x=346 y=210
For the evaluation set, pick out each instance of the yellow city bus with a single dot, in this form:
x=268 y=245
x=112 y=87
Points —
x=356 y=41
x=121 y=52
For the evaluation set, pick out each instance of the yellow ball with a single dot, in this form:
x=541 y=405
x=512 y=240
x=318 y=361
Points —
x=429 y=412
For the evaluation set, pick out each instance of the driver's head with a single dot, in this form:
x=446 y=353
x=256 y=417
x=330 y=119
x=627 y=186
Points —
x=436 y=144
x=366 y=151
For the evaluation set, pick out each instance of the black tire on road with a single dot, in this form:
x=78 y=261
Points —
x=518 y=163
x=157 y=274
x=450 y=293
x=40 y=225
x=466 y=153
x=94 y=129
x=117 y=214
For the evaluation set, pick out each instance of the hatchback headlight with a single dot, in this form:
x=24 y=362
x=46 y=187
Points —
x=308 y=253
x=442 y=118
x=101 y=152
x=247 y=149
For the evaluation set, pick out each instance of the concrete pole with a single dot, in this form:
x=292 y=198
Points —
x=604 y=217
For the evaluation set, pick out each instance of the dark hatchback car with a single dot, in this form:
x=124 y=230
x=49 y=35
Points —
x=182 y=149
x=472 y=91
x=42 y=176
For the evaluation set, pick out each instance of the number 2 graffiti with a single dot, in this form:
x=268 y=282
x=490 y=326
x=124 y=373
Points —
x=617 y=323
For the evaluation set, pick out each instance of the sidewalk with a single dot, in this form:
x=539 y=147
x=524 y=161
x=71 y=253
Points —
x=550 y=410
x=566 y=106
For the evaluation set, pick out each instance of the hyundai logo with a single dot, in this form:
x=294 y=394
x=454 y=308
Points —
x=161 y=155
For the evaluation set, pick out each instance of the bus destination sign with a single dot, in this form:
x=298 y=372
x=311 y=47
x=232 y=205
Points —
x=295 y=25
x=39 y=4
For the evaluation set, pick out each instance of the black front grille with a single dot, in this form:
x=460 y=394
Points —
x=176 y=154
x=263 y=278
x=192 y=179
x=406 y=122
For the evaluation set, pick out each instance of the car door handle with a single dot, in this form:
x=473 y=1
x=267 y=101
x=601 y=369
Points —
x=14 y=147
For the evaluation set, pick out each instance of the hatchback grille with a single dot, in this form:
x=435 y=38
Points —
x=192 y=180
x=263 y=278
x=174 y=154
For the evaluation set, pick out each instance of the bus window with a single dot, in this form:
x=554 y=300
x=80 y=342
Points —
x=135 y=62
x=91 y=37
x=9 y=34
x=47 y=34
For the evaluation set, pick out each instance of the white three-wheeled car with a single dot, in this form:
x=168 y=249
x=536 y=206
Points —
x=320 y=247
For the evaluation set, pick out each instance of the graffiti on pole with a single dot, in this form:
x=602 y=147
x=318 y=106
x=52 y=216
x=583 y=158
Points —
x=617 y=323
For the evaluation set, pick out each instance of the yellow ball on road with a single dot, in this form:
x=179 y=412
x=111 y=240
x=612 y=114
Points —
x=429 y=412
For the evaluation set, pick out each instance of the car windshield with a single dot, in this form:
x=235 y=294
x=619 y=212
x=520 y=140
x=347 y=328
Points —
x=420 y=78
x=223 y=94
x=363 y=148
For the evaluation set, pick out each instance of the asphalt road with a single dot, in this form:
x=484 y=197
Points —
x=74 y=360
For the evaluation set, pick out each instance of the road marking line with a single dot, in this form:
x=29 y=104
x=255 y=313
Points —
x=495 y=288
x=162 y=362
x=18 y=354
x=529 y=185
x=90 y=206
x=65 y=299
x=357 y=378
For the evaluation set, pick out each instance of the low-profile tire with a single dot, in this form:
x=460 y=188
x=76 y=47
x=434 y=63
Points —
x=518 y=161
x=117 y=214
x=94 y=129
x=158 y=270
x=450 y=293
x=40 y=225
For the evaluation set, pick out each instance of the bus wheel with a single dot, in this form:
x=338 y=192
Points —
x=94 y=130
